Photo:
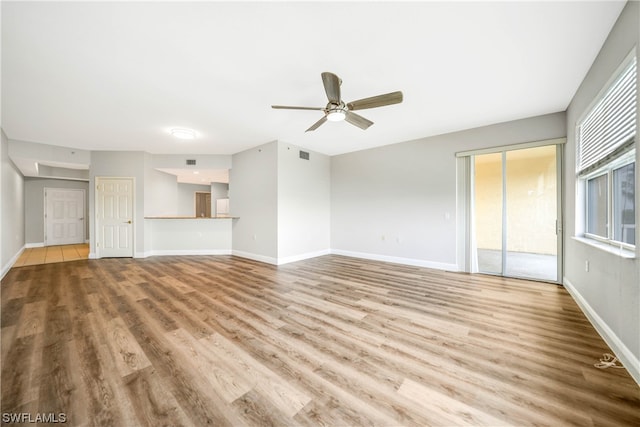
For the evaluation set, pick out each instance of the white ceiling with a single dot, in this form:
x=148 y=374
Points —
x=119 y=75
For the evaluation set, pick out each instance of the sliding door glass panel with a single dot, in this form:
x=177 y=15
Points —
x=531 y=212
x=488 y=212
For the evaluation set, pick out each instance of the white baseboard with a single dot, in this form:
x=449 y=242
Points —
x=186 y=252
x=280 y=261
x=301 y=257
x=34 y=245
x=398 y=260
x=8 y=265
x=295 y=258
x=622 y=352
x=255 y=257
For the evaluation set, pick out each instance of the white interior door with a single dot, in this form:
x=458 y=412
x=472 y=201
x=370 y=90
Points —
x=114 y=217
x=64 y=216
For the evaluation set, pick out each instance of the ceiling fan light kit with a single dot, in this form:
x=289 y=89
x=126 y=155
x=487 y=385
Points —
x=336 y=110
x=336 y=115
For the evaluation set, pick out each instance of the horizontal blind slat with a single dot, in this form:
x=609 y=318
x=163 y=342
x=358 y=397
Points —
x=611 y=122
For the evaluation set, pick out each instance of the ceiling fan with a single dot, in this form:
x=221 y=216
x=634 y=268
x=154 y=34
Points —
x=337 y=110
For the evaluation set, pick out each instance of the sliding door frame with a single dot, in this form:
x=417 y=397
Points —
x=465 y=253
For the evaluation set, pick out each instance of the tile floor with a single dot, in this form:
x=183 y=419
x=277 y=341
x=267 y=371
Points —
x=50 y=254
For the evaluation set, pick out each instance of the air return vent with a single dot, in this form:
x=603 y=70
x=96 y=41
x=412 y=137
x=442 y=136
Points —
x=191 y=162
x=304 y=155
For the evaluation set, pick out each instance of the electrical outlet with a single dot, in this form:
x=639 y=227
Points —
x=586 y=266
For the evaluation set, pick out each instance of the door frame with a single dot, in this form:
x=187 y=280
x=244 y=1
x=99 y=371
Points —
x=84 y=212
x=96 y=228
x=465 y=256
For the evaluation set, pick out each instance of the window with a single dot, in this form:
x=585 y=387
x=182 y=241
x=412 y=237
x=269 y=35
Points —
x=597 y=197
x=624 y=199
x=611 y=202
x=606 y=161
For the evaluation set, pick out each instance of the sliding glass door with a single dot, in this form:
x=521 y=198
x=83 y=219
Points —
x=515 y=200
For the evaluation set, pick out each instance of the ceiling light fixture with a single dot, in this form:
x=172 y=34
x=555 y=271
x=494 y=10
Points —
x=183 y=133
x=336 y=115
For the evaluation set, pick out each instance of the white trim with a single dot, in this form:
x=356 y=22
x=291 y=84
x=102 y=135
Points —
x=255 y=257
x=184 y=252
x=301 y=257
x=398 y=260
x=9 y=264
x=619 y=250
x=463 y=212
x=622 y=352
x=521 y=146
x=34 y=245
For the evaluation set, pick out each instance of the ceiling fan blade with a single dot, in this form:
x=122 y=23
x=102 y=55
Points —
x=331 y=87
x=357 y=120
x=288 y=107
x=376 y=101
x=317 y=124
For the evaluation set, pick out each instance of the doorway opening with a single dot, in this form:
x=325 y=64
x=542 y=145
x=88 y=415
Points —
x=203 y=204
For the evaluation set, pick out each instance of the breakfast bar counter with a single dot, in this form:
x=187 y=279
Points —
x=182 y=235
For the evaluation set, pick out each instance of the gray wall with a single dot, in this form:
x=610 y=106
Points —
x=120 y=164
x=160 y=193
x=219 y=190
x=164 y=196
x=34 y=205
x=12 y=208
x=282 y=201
x=253 y=197
x=610 y=291
x=398 y=202
x=186 y=202
x=304 y=188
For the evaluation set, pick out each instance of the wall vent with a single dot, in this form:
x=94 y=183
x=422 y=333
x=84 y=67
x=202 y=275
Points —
x=304 y=155
x=191 y=162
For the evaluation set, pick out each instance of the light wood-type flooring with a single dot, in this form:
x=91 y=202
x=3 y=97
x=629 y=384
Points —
x=50 y=254
x=335 y=341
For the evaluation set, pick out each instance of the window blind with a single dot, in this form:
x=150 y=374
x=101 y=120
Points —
x=611 y=123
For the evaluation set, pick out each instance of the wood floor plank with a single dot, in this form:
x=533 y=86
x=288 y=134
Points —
x=221 y=340
x=32 y=319
x=227 y=378
x=153 y=404
x=97 y=372
x=129 y=357
x=446 y=410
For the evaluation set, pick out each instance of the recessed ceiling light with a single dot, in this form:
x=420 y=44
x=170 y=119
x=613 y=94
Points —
x=183 y=133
